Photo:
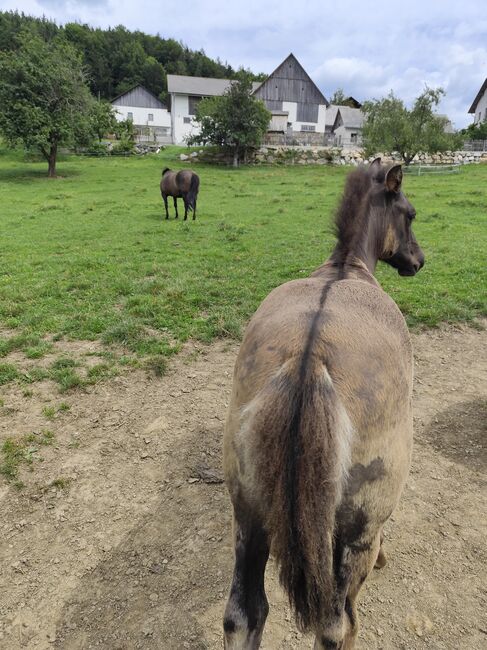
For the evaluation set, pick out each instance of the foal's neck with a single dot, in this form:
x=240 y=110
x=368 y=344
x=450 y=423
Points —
x=361 y=251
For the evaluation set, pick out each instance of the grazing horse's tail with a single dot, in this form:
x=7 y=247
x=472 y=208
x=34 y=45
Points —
x=302 y=445
x=193 y=190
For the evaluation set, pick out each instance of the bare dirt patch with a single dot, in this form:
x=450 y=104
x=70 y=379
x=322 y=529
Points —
x=121 y=538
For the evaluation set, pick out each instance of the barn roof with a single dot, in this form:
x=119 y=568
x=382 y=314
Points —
x=138 y=96
x=478 y=97
x=204 y=86
x=286 y=82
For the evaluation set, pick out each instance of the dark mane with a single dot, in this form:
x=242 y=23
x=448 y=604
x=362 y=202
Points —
x=351 y=214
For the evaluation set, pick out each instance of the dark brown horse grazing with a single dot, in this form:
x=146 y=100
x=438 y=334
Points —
x=183 y=184
x=319 y=431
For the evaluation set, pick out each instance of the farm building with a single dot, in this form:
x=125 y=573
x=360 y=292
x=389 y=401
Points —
x=151 y=119
x=479 y=105
x=347 y=126
x=297 y=105
x=185 y=93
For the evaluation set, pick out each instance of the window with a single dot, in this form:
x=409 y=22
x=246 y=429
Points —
x=353 y=137
x=186 y=120
x=130 y=116
x=150 y=117
x=193 y=102
x=308 y=127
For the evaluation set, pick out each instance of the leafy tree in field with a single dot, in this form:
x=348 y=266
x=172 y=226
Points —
x=44 y=99
x=390 y=126
x=475 y=131
x=236 y=121
x=102 y=119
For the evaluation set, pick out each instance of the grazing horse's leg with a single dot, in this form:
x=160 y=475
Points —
x=164 y=198
x=176 y=206
x=247 y=607
x=194 y=209
x=185 y=201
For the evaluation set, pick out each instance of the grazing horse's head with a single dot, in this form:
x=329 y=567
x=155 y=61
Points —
x=393 y=216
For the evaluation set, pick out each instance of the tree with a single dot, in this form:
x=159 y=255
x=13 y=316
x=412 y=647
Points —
x=475 y=131
x=390 y=126
x=44 y=98
x=338 y=99
x=102 y=119
x=236 y=121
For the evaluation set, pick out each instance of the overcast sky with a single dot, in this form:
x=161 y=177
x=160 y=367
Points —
x=366 y=48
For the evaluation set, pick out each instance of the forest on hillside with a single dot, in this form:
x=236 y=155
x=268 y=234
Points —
x=117 y=59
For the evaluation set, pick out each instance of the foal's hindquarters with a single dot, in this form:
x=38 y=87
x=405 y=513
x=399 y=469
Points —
x=316 y=452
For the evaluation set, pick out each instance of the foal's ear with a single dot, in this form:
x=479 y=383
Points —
x=374 y=166
x=394 y=178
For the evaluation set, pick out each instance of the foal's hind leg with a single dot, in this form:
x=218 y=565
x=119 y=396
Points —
x=341 y=630
x=361 y=565
x=176 y=206
x=381 y=560
x=247 y=607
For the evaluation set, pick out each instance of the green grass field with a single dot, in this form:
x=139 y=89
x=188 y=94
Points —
x=89 y=256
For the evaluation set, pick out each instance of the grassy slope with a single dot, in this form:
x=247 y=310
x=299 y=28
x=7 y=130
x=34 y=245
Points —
x=88 y=255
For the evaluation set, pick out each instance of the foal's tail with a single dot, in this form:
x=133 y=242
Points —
x=193 y=190
x=303 y=446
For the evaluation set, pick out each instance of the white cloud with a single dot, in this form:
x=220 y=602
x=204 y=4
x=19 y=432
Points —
x=365 y=48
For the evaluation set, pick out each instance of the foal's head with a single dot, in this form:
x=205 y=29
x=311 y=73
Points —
x=390 y=220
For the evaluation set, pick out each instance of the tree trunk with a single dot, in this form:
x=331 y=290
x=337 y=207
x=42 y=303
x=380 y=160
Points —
x=235 y=157
x=52 y=160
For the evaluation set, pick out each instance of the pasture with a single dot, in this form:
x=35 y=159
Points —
x=119 y=334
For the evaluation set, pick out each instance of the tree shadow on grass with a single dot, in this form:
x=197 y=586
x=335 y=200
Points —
x=21 y=175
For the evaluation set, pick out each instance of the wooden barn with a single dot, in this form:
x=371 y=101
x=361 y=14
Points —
x=297 y=104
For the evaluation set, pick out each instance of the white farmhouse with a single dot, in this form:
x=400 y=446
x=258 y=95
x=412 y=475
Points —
x=151 y=119
x=479 y=106
x=185 y=93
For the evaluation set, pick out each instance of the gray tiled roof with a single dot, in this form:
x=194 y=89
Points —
x=207 y=86
x=353 y=118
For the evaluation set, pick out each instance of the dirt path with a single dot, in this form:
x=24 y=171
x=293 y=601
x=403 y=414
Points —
x=130 y=547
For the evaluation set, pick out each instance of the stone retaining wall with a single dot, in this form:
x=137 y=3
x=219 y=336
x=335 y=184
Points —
x=273 y=155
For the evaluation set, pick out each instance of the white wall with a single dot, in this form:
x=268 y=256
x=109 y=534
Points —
x=180 y=110
x=343 y=135
x=481 y=108
x=292 y=109
x=162 y=117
